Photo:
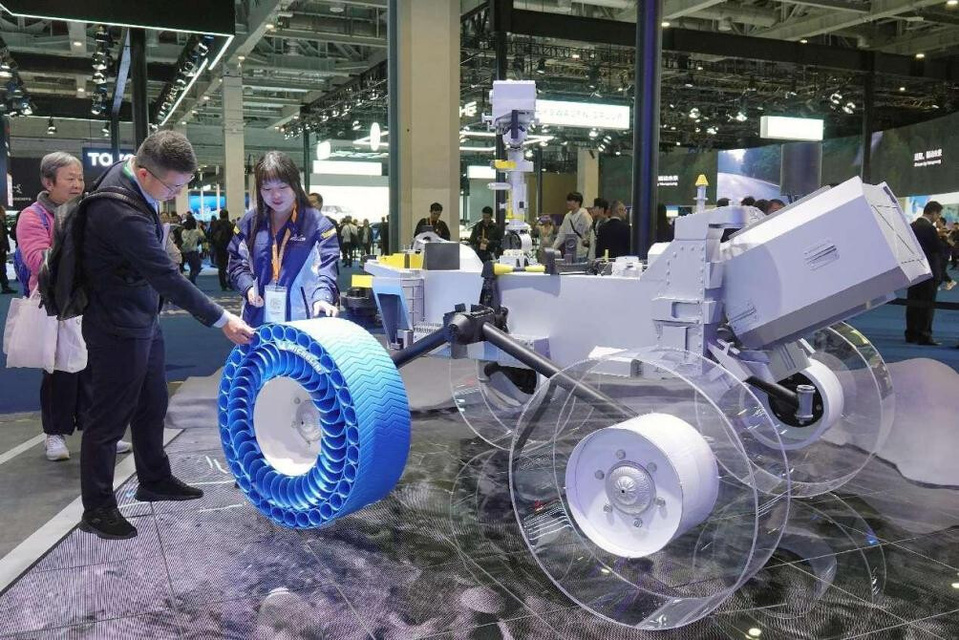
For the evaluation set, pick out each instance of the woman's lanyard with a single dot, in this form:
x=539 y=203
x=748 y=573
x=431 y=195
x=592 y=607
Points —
x=279 y=253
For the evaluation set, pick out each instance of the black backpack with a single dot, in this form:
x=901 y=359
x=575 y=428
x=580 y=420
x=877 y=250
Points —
x=60 y=281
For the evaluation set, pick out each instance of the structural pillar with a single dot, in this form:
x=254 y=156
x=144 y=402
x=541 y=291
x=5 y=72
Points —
x=233 y=151
x=587 y=174
x=138 y=75
x=868 y=110
x=499 y=21
x=427 y=87
x=182 y=202
x=649 y=53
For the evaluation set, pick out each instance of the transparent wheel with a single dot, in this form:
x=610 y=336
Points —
x=622 y=514
x=853 y=407
x=491 y=397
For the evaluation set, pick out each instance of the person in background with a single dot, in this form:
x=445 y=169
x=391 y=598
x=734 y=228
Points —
x=366 y=238
x=220 y=239
x=4 y=250
x=192 y=238
x=167 y=241
x=946 y=246
x=64 y=397
x=664 y=226
x=577 y=223
x=439 y=227
x=600 y=214
x=722 y=202
x=348 y=239
x=775 y=205
x=954 y=237
x=612 y=240
x=283 y=258
x=922 y=297
x=486 y=238
x=546 y=231
x=762 y=205
x=748 y=201
x=384 y=236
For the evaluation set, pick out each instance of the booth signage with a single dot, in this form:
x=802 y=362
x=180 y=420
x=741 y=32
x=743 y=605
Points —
x=102 y=158
x=582 y=114
x=927 y=158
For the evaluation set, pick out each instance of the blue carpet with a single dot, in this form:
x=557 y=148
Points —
x=194 y=350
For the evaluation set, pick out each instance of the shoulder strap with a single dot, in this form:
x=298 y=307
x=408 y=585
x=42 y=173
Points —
x=122 y=195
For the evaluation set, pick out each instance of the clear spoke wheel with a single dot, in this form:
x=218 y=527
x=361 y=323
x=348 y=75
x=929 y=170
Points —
x=652 y=521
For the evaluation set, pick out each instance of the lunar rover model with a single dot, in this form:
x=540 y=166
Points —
x=659 y=416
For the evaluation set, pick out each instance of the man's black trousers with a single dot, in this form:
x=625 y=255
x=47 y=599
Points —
x=919 y=316
x=128 y=388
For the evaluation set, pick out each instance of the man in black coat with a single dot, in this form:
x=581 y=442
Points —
x=486 y=237
x=128 y=274
x=613 y=235
x=439 y=227
x=922 y=296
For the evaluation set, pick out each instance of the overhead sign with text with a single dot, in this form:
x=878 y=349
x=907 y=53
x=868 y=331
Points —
x=582 y=114
x=96 y=159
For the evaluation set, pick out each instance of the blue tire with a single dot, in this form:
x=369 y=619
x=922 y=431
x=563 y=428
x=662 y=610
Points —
x=365 y=420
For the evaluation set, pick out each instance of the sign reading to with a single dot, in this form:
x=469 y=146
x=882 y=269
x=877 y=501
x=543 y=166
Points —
x=102 y=158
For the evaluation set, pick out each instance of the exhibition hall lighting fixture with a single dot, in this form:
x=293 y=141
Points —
x=920 y=56
x=849 y=108
x=740 y=116
x=694 y=113
x=666 y=24
x=803 y=41
x=689 y=82
x=193 y=60
x=712 y=131
x=835 y=98
x=593 y=133
x=541 y=66
x=51 y=127
x=952 y=3
x=903 y=88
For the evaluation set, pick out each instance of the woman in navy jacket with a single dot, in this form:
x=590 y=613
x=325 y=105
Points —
x=283 y=256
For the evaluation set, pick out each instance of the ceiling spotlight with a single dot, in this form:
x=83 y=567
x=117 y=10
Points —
x=51 y=127
x=26 y=109
x=835 y=98
x=903 y=88
x=952 y=3
x=543 y=143
x=740 y=116
x=694 y=113
x=666 y=24
x=849 y=107
x=100 y=61
x=105 y=128
x=678 y=144
x=574 y=56
x=920 y=56
x=803 y=41
x=81 y=90
x=102 y=36
x=269 y=26
x=593 y=133
x=541 y=66
x=690 y=82
x=712 y=130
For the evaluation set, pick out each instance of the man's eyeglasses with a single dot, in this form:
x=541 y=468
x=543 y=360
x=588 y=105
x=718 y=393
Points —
x=174 y=188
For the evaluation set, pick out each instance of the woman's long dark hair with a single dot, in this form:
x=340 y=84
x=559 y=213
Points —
x=275 y=165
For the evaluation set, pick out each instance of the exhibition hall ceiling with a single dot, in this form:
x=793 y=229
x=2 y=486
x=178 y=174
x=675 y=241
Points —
x=319 y=58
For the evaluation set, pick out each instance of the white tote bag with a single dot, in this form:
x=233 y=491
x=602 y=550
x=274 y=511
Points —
x=31 y=341
x=71 y=353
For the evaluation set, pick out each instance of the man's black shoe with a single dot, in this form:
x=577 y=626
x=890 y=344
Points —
x=170 y=489
x=107 y=523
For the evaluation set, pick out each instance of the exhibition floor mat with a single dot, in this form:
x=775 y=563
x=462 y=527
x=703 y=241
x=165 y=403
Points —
x=443 y=557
